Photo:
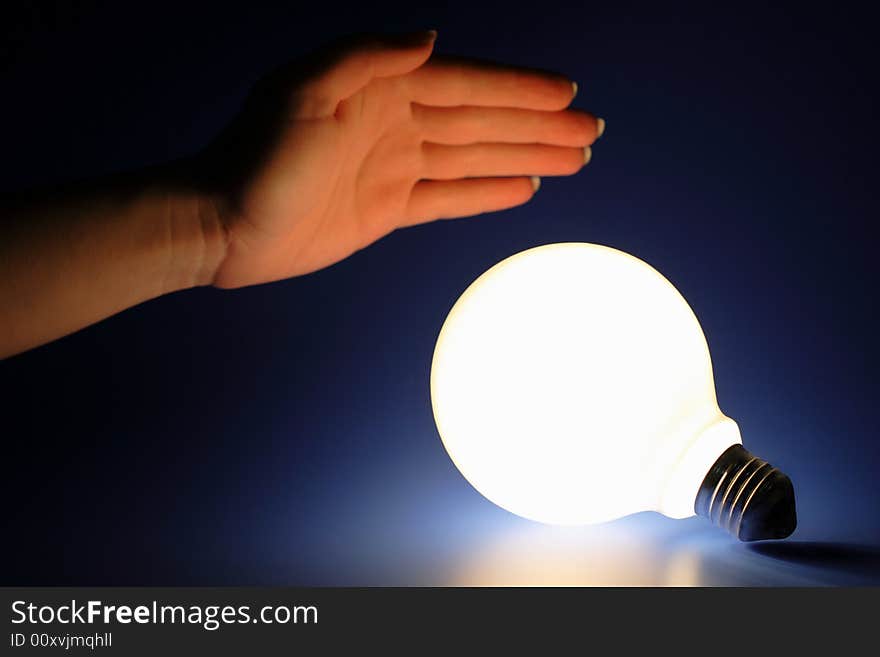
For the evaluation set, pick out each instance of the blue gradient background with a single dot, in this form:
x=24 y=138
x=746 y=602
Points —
x=283 y=434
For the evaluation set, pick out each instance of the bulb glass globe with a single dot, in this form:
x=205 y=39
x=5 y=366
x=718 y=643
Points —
x=572 y=384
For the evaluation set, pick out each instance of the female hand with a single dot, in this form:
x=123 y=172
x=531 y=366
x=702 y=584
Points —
x=371 y=134
x=328 y=155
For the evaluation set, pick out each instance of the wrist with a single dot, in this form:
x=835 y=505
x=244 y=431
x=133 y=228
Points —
x=197 y=240
x=196 y=235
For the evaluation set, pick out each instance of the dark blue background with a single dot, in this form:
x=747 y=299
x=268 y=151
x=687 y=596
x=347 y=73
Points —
x=283 y=434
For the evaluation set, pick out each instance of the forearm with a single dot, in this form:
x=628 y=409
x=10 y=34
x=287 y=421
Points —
x=73 y=256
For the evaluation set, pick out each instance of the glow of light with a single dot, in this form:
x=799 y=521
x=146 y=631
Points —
x=571 y=384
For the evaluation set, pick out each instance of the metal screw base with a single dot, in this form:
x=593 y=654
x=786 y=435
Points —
x=748 y=497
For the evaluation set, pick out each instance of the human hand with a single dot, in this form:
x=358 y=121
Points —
x=368 y=135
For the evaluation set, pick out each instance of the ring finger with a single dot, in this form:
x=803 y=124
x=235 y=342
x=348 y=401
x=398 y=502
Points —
x=469 y=125
x=443 y=162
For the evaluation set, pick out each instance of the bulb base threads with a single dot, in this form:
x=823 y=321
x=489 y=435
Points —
x=748 y=497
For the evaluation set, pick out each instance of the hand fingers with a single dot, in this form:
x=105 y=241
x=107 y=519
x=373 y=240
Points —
x=449 y=82
x=434 y=199
x=441 y=162
x=344 y=68
x=469 y=125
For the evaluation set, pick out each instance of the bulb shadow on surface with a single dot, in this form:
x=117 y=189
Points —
x=856 y=561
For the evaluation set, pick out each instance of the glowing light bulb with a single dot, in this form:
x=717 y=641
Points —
x=572 y=384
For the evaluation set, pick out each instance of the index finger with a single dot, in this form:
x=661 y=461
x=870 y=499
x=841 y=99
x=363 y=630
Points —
x=453 y=81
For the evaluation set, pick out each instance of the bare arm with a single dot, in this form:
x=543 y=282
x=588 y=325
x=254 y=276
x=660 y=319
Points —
x=328 y=155
x=74 y=255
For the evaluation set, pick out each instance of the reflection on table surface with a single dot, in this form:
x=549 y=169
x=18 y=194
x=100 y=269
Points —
x=459 y=539
x=623 y=554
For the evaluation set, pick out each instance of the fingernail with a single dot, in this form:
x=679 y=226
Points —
x=536 y=183
x=588 y=153
x=600 y=127
x=432 y=34
x=574 y=89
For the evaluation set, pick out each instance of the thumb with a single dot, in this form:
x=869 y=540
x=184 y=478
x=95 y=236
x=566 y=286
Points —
x=348 y=65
